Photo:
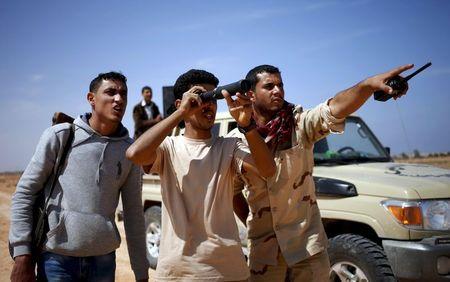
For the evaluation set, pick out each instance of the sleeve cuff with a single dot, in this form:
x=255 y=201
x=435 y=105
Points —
x=20 y=250
x=240 y=153
x=335 y=125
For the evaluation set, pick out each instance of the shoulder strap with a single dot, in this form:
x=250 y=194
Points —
x=61 y=161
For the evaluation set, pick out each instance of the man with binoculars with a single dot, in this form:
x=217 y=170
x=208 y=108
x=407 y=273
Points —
x=199 y=239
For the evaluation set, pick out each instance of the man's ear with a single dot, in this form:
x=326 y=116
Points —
x=91 y=98
x=251 y=95
x=177 y=103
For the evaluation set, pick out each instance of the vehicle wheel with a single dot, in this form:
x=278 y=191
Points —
x=354 y=258
x=152 y=217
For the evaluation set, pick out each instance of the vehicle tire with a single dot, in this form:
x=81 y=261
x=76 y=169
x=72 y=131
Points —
x=355 y=258
x=152 y=217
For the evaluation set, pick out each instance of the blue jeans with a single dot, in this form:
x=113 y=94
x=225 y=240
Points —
x=54 y=267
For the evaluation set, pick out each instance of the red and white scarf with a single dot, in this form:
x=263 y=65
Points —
x=278 y=131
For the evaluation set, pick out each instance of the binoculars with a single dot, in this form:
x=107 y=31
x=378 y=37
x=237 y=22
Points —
x=240 y=86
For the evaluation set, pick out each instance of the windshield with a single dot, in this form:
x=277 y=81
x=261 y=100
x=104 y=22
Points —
x=357 y=144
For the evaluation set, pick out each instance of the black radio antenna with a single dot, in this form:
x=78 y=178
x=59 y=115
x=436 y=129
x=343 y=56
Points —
x=417 y=71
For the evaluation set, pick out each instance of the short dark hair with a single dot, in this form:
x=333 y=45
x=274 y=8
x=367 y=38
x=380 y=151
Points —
x=95 y=83
x=190 y=78
x=186 y=81
x=252 y=75
x=146 y=88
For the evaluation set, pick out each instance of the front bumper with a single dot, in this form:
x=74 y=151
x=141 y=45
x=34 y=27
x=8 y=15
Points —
x=425 y=260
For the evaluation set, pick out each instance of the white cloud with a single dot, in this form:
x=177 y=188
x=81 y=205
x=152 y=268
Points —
x=27 y=106
x=37 y=77
x=359 y=2
x=214 y=62
x=225 y=19
x=261 y=14
x=319 y=5
x=330 y=42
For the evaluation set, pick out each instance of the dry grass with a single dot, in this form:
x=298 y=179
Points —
x=443 y=162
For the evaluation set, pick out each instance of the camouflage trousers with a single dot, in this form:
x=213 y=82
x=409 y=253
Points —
x=314 y=268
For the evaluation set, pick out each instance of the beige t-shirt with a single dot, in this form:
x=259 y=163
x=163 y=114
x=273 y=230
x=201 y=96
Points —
x=200 y=239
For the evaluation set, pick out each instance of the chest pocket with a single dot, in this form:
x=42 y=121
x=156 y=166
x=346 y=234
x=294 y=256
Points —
x=114 y=169
x=290 y=163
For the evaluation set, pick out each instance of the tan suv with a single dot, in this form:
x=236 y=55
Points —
x=385 y=221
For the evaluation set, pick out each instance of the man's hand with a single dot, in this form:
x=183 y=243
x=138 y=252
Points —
x=23 y=269
x=191 y=101
x=378 y=82
x=240 y=108
x=350 y=100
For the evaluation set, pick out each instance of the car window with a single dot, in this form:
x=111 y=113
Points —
x=215 y=129
x=231 y=125
x=356 y=143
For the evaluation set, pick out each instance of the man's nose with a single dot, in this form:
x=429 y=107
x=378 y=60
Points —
x=277 y=90
x=118 y=98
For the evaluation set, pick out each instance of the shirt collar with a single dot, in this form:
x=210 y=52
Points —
x=143 y=103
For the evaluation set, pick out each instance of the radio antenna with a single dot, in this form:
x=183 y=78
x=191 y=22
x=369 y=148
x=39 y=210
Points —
x=403 y=126
x=417 y=71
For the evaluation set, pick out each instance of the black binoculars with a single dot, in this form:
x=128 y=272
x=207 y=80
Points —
x=240 y=86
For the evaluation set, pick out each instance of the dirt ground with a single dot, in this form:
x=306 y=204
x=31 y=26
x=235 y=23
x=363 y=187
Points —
x=7 y=187
x=8 y=183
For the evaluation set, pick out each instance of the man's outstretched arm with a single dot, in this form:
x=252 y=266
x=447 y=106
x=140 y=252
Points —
x=350 y=100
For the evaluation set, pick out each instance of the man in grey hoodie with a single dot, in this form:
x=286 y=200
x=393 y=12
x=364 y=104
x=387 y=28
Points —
x=82 y=235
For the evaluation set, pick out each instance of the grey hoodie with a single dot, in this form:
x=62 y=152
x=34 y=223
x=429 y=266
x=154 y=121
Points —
x=82 y=206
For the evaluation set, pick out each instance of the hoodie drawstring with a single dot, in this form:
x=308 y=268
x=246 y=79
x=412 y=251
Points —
x=100 y=164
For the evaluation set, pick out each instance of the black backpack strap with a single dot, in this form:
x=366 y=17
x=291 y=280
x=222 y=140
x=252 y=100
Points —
x=38 y=233
x=60 y=164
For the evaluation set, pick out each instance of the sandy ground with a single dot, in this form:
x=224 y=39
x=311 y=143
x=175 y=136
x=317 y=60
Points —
x=7 y=187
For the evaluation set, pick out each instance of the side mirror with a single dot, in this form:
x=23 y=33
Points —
x=388 y=150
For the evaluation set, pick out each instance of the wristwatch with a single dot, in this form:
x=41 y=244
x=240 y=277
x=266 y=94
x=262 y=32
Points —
x=248 y=128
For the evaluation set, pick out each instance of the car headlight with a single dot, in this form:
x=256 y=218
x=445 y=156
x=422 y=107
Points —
x=436 y=215
x=425 y=215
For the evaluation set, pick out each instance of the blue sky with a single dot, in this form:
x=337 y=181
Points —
x=51 y=50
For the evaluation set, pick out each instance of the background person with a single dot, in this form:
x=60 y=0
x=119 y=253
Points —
x=145 y=114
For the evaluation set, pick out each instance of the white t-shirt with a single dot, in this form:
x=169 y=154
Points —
x=200 y=239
